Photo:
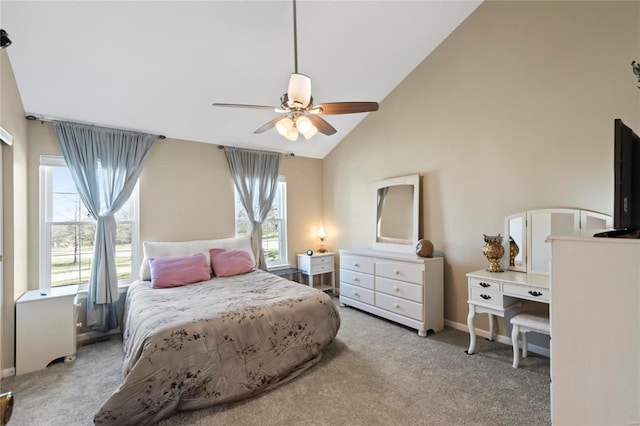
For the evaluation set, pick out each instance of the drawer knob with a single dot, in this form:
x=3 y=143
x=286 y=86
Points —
x=396 y=271
x=355 y=293
x=356 y=279
x=535 y=293
x=485 y=285
x=356 y=264
x=485 y=296
x=395 y=288
x=396 y=305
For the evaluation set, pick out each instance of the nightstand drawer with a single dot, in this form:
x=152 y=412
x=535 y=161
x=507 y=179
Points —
x=356 y=278
x=316 y=264
x=399 y=289
x=399 y=306
x=356 y=293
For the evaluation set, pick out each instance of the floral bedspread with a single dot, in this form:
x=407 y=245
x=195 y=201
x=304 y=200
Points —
x=214 y=342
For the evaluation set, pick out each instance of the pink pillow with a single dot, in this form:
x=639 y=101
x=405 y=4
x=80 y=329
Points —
x=176 y=271
x=226 y=263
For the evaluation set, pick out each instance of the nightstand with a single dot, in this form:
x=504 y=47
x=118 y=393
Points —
x=318 y=264
x=45 y=327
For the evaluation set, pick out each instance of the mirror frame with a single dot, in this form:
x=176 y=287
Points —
x=522 y=246
x=402 y=180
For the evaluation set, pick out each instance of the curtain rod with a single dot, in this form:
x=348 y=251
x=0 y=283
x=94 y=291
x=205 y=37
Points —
x=42 y=118
x=286 y=154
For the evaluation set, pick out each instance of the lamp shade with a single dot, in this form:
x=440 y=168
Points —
x=321 y=234
x=299 y=90
x=284 y=126
x=310 y=133
x=303 y=124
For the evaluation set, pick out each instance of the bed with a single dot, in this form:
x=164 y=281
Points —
x=215 y=341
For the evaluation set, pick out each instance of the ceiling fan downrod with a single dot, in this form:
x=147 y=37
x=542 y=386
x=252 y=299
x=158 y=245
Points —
x=295 y=39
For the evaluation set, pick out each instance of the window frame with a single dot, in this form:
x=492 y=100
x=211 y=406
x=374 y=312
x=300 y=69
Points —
x=47 y=162
x=282 y=220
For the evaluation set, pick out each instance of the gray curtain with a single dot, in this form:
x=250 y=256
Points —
x=255 y=174
x=105 y=165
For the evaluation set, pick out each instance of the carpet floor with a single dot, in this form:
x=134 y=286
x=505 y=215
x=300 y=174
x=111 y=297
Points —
x=375 y=372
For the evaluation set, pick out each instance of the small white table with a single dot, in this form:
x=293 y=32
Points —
x=496 y=293
x=318 y=264
x=45 y=327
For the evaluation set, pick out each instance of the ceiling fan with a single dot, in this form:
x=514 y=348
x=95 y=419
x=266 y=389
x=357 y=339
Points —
x=301 y=115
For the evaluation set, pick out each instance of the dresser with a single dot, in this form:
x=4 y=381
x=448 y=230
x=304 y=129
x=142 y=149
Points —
x=45 y=327
x=400 y=287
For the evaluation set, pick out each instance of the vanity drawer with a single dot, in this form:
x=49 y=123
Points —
x=404 y=271
x=399 y=306
x=531 y=293
x=356 y=278
x=484 y=284
x=357 y=263
x=356 y=293
x=399 y=289
x=485 y=296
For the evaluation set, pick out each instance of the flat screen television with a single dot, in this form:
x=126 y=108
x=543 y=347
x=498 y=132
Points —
x=626 y=207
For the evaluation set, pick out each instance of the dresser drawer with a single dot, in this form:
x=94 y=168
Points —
x=486 y=296
x=484 y=284
x=356 y=278
x=399 y=306
x=404 y=271
x=527 y=292
x=399 y=289
x=356 y=293
x=357 y=263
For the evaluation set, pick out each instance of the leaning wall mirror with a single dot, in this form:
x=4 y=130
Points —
x=396 y=213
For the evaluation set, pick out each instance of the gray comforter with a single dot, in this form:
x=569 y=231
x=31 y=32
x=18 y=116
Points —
x=214 y=342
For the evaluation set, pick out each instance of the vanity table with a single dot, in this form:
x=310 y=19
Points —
x=499 y=293
x=526 y=275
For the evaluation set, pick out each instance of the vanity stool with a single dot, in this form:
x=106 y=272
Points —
x=524 y=323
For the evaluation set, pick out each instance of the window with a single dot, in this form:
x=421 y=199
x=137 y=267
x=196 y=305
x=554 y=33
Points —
x=274 y=228
x=67 y=230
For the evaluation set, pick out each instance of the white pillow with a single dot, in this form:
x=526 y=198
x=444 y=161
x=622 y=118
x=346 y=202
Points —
x=155 y=249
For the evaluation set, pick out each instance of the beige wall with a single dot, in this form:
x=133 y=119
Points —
x=186 y=193
x=14 y=204
x=513 y=111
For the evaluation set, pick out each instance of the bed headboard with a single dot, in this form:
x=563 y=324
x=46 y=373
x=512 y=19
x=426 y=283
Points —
x=154 y=249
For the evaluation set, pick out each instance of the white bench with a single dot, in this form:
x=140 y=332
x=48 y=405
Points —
x=524 y=323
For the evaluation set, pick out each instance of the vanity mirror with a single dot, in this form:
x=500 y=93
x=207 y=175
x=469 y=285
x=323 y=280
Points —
x=396 y=213
x=528 y=231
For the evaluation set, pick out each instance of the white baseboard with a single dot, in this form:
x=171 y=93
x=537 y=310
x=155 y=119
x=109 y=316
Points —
x=8 y=372
x=540 y=350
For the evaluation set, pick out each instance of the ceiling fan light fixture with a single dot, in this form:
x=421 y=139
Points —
x=310 y=133
x=284 y=126
x=303 y=124
x=299 y=90
x=292 y=134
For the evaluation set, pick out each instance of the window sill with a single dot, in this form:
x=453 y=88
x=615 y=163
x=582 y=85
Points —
x=83 y=289
x=278 y=267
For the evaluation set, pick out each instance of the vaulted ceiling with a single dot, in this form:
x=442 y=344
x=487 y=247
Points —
x=157 y=66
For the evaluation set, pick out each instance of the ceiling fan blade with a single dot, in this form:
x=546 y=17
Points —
x=271 y=108
x=333 y=108
x=270 y=125
x=322 y=125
